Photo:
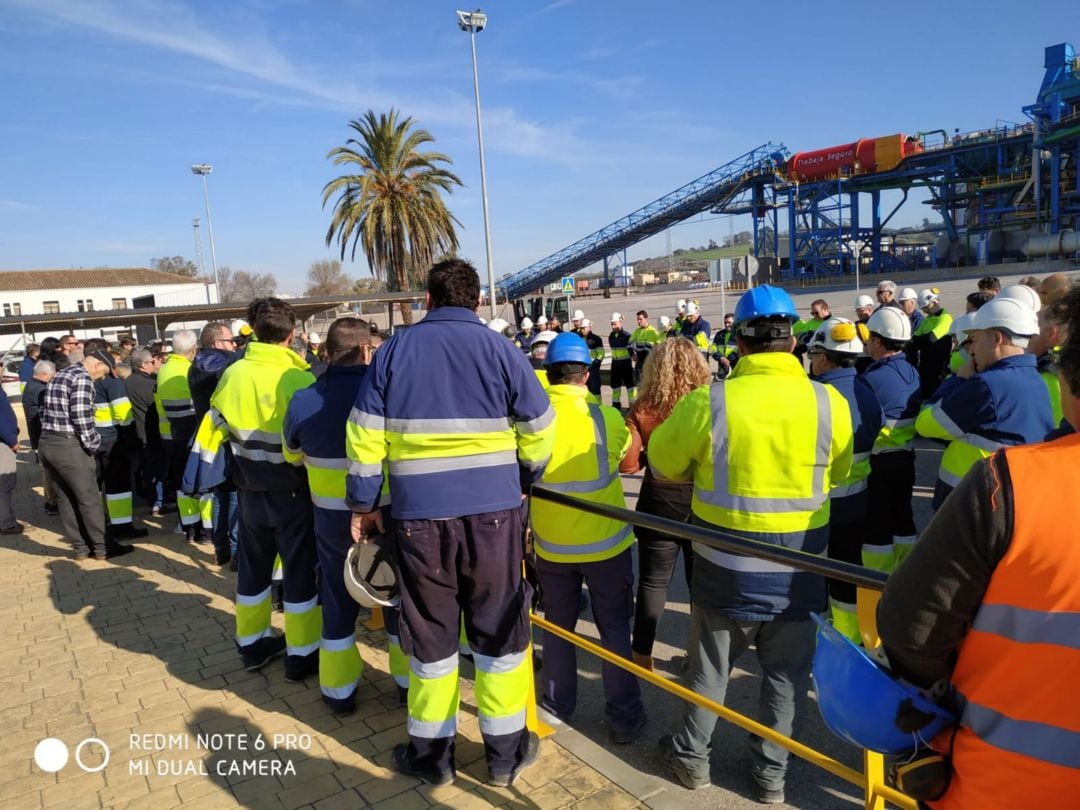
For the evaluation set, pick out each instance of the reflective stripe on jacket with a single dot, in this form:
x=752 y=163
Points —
x=896 y=385
x=1003 y=406
x=314 y=434
x=1018 y=744
x=176 y=412
x=112 y=408
x=619 y=341
x=763 y=449
x=849 y=498
x=246 y=415
x=590 y=441
x=458 y=415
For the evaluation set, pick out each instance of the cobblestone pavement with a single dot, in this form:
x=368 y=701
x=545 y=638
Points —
x=123 y=652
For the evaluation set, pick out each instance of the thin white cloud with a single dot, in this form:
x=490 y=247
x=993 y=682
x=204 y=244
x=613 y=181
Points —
x=15 y=204
x=175 y=28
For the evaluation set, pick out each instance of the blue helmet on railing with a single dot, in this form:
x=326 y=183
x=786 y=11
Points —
x=765 y=301
x=860 y=700
x=568 y=347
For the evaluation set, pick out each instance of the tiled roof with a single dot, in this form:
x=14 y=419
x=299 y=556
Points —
x=17 y=280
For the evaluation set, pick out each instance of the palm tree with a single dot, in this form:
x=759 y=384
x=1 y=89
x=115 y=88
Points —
x=391 y=204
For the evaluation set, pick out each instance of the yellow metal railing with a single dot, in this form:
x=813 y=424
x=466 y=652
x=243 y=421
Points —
x=872 y=778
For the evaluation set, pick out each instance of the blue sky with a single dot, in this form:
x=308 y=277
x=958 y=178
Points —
x=591 y=109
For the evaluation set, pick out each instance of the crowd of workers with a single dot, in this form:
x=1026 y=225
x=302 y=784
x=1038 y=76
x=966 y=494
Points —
x=428 y=444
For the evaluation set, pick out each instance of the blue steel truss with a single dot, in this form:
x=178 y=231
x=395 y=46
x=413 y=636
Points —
x=707 y=192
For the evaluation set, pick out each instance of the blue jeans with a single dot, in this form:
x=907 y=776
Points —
x=785 y=650
x=224 y=517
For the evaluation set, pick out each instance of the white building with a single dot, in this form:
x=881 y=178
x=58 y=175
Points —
x=52 y=292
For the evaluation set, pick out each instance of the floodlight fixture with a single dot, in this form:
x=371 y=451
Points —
x=472 y=21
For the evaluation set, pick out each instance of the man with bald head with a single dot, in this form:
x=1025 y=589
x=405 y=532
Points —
x=1054 y=287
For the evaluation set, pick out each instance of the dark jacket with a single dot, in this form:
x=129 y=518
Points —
x=26 y=369
x=31 y=402
x=9 y=425
x=140 y=389
x=203 y=377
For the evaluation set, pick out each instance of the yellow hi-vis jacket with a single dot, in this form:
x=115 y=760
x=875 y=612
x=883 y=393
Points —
x=763 y=448
x=590 y=441
x=172 y=399
x=246 y=414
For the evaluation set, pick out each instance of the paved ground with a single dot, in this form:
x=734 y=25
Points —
x=145 y=647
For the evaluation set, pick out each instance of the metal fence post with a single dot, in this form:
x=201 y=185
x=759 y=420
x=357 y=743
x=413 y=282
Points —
x=874 y=772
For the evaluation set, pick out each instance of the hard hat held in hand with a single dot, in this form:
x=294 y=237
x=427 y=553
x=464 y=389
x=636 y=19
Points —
x=860 y=701
x=891 y=323
x=370 y=577
x=841 y=336
x=497 y=325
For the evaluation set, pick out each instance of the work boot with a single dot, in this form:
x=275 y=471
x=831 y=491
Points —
x=262 y=652
x=532 y=753
x=405 y=765
x=197 y=534
x=223 y=556
x=296 y=671
x=127 y=531
x=628 y=735
x=676 y=768
x=113 y=551
x=643 y=661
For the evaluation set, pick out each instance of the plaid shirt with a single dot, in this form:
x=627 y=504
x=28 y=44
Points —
x=68 y=406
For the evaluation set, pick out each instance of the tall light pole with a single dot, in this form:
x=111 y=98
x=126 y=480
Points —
x=474 y=22
x=856 y=247
x=204 y=169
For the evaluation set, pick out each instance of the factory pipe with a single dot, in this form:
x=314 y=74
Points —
x=1064 y=243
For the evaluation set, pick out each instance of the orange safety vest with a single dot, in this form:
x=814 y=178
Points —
x=1019 y=740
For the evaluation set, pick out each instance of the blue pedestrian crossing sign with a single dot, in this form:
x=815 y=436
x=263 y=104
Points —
x=567 y=285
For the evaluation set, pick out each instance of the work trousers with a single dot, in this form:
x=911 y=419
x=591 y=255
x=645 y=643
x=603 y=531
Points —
x=271 y=524
x=224 y=520
x=116 y=481
x=890 y=536
x=176 y=452
x=657 y=553
x=152 y=472
x=465 y=568
x=74 y=475
x=7 y=487
x=622 y=375
x=594 y=381
x=785 y=650
x=846 y=540
x=611 y=594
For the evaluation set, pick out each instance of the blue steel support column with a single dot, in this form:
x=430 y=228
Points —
x=1055 y=188
x=607 y=276
x=1036 y=175
x=875 y=239
x=791 y=230
x=855 y=230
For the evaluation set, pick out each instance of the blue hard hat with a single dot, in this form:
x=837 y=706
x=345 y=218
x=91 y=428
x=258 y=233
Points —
x=860 y=700
x=764 y=302
x=568 y=347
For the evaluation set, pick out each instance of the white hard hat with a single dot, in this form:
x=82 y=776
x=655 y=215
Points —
x=497 y=325
x=692 y=308
x=908 y=294
x=1024 y=294
x=586 y=322
x=544 y=337
x=1008 y=314
x=891 y=323
x=578 y=315
x=616 y=316
x=927 y=297
x=960 y=325
x=240 y=328
x=526 y=323
x=314 y=339
x=369 y=575
x=839 y=335
x=681 y=305
x=864 y=301
x=542 y=320
x=665 y=321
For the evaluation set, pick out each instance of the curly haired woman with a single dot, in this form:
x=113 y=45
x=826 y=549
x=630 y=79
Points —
x=674 y=368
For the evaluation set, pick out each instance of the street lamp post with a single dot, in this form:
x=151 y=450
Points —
x=856 y=247
x=204 y=169
x=474 y=22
